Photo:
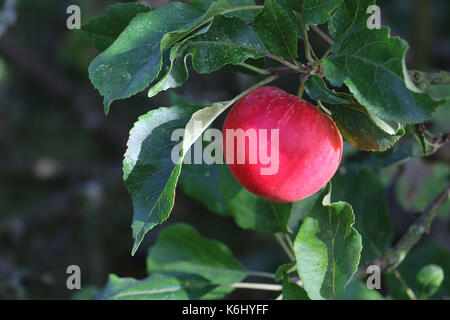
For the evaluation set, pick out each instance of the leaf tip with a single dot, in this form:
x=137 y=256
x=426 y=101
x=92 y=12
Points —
x=106 y=105
x=137 y=243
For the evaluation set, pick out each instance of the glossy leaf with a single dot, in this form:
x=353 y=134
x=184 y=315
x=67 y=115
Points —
x=316 y=89
x=134 y=60
x=181 y=249
x=103 y=30
x=372 y=65
x=327 y=248
x=277 y=30
x=429 y=280
x=351 y=17
x=150 y=173
x=368 y=198
x=227 y=41
x=155 y=287
x=318 y=11
x=215 y=8
x=358 y=126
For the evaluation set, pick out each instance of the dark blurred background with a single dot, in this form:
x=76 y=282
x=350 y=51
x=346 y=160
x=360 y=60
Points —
x=62 y=200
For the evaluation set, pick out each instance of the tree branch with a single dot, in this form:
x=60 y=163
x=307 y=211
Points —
x=415 y=232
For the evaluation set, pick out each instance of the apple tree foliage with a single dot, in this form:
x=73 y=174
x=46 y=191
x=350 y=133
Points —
x=361 y=81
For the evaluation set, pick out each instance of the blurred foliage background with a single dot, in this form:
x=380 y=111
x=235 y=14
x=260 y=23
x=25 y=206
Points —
x=62 y=200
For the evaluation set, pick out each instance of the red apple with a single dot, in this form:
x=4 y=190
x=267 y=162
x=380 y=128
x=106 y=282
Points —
x=309 y=148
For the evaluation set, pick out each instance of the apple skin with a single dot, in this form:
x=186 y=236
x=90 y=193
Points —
x=310 y=145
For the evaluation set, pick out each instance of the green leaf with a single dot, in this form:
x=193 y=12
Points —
x=318 y=11
x=362 y=129
x=227 y=41
x=150 y=173
x=103 y=30
x=277 y=30
x=282 y=270
x=368 y=198
x=292 y=291
x=351 y=17
x=155 y=287
x=250 y=211
x=201 y=181
x=134 y=59
x=429 y=280
x=372 y=65
x=181 y=249
x=316 y=89
x=216 y=7
x=327 y=248
x=358 y=126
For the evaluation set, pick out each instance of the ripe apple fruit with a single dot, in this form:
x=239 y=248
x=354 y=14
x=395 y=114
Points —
x=309 y=145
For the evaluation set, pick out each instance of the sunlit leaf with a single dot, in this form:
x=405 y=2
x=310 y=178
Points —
x=327 y=248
